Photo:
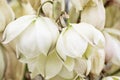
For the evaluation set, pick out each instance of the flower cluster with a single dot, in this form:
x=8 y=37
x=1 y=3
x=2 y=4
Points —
x=59 y=40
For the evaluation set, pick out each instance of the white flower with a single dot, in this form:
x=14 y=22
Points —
x=94 y=15
x=33 y=35
x=73 y=41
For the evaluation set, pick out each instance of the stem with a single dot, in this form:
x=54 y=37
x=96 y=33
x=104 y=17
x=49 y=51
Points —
x=40 y=8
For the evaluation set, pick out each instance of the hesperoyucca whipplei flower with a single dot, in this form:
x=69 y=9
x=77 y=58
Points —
x=73 y=40
x=33 y=35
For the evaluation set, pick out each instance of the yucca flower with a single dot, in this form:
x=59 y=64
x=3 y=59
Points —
x=73 y=40
x=32 y=35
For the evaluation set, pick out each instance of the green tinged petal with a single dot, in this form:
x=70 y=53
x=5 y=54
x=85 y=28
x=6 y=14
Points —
x=69 y=63
x=66 y=74
x=53 y=66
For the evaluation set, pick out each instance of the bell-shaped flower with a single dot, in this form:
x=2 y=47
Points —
x=32 y=35
x=94 y=15
x=6 y=14
x=48 y=66
x=73 y=40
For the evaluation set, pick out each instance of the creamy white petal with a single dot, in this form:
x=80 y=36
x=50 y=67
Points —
x=62 y=51
x=69 y=64
x=43 y=36
x=53 y=66
x=112 y=48
x=80 y=66
x=97 y=61
x=27 y=42
x=66 y=74
x=53 y=28
x=37 y=66
x=16 y=27
x=89 y=33
x=74 y=43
